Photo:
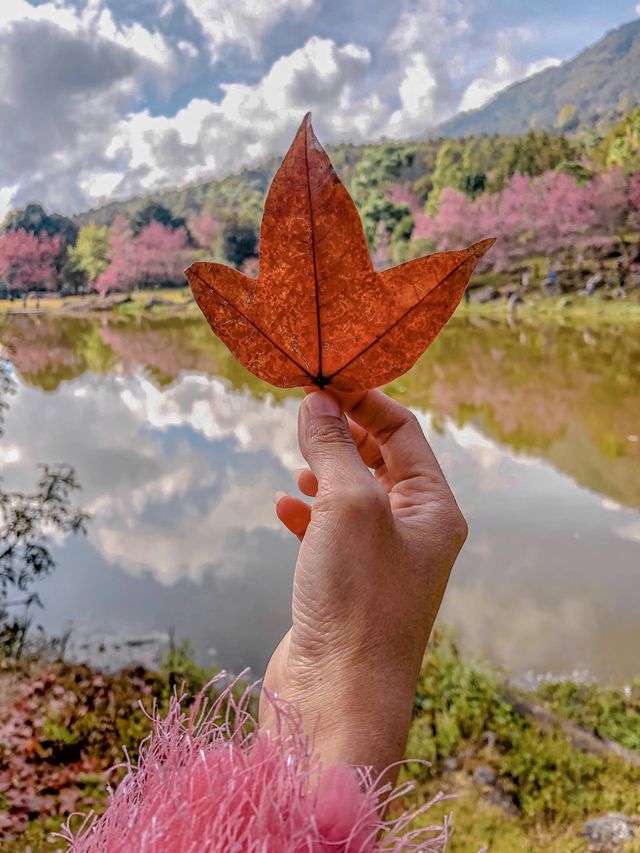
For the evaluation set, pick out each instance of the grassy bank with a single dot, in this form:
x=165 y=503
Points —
x=519 y=787
x=138 y=301
x=566 y=308
x=601 y=307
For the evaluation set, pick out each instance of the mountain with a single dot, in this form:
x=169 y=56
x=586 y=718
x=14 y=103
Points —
x=593 y=90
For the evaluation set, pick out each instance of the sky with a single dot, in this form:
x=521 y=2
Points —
x=104 y=99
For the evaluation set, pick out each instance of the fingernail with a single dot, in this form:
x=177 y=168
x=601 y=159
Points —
x=278 y=496
x=297 y=474
x=323 y=405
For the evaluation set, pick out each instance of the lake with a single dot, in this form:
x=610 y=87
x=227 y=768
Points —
x=179 y=452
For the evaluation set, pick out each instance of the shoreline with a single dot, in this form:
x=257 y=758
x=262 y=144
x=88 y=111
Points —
x=528 y=768
x=569 y=306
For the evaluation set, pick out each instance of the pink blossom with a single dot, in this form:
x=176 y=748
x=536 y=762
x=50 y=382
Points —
x=204 y=228
x=155 y=256
x=28 y=260
x=205 y=783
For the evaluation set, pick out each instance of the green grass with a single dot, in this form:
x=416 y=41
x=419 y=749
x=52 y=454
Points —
x=462 y=712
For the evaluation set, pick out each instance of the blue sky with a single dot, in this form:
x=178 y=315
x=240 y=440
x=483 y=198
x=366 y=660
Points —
x=120 y=98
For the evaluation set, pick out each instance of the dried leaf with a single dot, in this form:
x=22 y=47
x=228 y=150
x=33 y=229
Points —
x=318 y=313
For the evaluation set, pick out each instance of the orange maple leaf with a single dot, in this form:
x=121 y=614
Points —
x=318 y=313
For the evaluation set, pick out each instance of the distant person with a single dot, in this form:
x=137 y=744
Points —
x=551 y=283
x=622 y=275
x=593 y=282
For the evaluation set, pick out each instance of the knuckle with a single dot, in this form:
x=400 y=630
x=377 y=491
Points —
x=360 y=499
x=459 y=527
x=329 y=431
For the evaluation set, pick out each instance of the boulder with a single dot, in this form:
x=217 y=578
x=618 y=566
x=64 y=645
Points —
x=483 y=294
x=484 y=776
x=609 y=831
x=157 y=302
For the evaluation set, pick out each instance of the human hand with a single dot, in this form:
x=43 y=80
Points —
x=372 y=568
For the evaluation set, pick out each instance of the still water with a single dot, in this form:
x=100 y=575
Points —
x=179 y=452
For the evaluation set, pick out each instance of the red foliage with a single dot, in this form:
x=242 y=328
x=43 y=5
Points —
x=155 y=256
x=530 y=215
x=205 y=229
x=28 y=260
x=62 y=727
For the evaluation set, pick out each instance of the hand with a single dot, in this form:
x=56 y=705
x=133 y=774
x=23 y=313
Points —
x=377 y=550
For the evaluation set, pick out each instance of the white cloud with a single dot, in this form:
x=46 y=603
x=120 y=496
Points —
x=250 y=123
x=541 y=64
x=163 y=500
x=630 y=532
x=637 y=9
x=505 y=70
x=57 y=109
x=93 y=20
x=80 y=131
x=423 y=40
x=188 y=48
x=7 y=194
x=241 y=22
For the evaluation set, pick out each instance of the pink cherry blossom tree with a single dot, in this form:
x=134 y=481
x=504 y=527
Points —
x=154 y=256
x=28 y=261
x=205 y=229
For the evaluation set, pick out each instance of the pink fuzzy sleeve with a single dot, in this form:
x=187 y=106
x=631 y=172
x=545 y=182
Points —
x=204 y=782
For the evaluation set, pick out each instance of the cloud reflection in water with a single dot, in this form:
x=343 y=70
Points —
x=180 y=482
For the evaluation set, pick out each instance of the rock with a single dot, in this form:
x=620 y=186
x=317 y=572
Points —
x=497 y=798
x=514 y=300
x=157 y=302
x=606 y=832
x=484 y=776
x=451 y=764
x=483 y=294
x=490 y=738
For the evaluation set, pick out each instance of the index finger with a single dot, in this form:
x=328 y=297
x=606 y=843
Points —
x=404 y=448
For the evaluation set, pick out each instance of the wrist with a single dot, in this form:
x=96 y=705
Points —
x=354 y=715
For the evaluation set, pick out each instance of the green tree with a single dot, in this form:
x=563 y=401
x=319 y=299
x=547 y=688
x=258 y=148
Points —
x=89 y=256
x=26 y=521
x=448 y=172
x=532 y=154
x=380 y=166
x=35 y=219
x=463 y=164
x=154 y=212
x=568 y=118
x=622 y=145
x=240 y=242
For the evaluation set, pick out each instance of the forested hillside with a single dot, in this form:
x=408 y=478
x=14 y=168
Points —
x=540 y=193
x=591 y=91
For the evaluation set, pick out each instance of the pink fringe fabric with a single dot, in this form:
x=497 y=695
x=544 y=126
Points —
x=204 y=782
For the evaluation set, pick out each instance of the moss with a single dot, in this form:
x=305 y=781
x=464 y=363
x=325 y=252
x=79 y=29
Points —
x=609 y=713
x=462 y=709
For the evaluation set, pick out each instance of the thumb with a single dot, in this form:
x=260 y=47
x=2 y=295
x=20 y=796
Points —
x=326 y=441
